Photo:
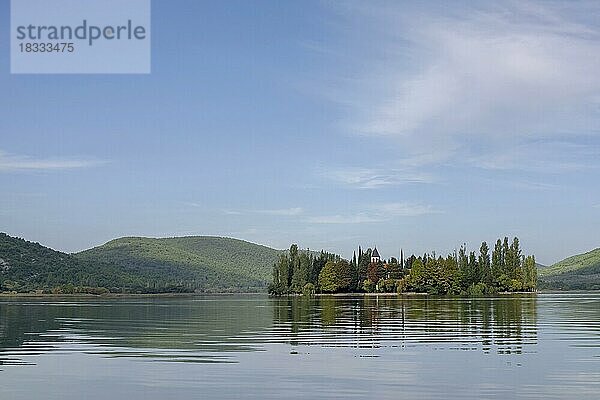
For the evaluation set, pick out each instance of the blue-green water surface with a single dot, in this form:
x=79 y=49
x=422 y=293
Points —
x=251 y=346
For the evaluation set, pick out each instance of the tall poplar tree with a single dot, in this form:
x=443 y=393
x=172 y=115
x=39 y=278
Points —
x=484 y=264
x=497 y=261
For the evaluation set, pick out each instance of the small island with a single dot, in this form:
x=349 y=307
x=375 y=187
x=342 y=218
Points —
x=464 y=273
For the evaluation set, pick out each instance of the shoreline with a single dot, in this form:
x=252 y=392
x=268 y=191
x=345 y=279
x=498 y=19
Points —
x=121 y=295
x=224 y=294
x=409 y=294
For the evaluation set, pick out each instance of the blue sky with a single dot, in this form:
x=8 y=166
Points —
x=329 y=124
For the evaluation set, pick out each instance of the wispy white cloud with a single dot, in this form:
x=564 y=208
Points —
x=370 y=214
x=531 y=185
x=377 y=213
x=192 y=204
x=283 y=211
x=404 y=209
x=359 y=218
x=11 y=162
x=370 y=178
x=232 y=212
x=491 y=76
x=541 y=156
x=292 y=211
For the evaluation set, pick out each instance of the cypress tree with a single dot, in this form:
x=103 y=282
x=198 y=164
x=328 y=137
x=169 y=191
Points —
x=484 y=264
x=497 y=266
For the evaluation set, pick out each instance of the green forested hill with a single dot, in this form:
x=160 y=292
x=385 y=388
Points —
x=580 y=272
x=196 y=262
x=27 y=266
x=138 y=265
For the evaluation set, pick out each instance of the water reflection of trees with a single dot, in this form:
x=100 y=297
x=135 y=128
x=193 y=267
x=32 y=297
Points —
x=503 y=324
x=212 y=329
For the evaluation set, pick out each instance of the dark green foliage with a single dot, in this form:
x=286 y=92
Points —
x=529 y=273
x=329 y=281
x=308 y=289
x=506 y=254
x=472 y=274
x=296 y=269
x=408 y=263
x=364 y=259
x=387 y=285
x=462 y=273
x=368 y=286
x=393 y=270
x=514 y=260
x=472 y=270
x=138 y=265
x=337 y=276
x=497 y=261
x=463 y=262
x=198 y=263
x=27 y=266
x=435 y=276
x=477 y=289
x=484 y=264
x=580 y=272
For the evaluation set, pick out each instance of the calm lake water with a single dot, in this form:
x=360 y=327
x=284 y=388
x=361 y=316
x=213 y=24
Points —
x=251 y=346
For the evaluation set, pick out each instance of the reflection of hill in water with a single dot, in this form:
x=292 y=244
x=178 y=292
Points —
x=215 y=328
x=504 y=324
x=180 y=329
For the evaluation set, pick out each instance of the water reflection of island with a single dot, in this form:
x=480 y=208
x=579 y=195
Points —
x=504 y=324
x=218 y=328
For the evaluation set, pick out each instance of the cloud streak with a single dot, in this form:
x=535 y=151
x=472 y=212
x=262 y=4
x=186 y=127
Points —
x=375 y=214
x=370 y=178
x=17 y=163
x=282 y=211
x=542 y=157
x=371 y=214
x=286 y=212
x=359 y=218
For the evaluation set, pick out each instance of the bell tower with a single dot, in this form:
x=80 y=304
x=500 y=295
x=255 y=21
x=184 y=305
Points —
x=375 y=256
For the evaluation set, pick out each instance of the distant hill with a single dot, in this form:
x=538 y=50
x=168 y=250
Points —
x=580 y=272
x=139 y=265
x=203 y=263
x=27 y=266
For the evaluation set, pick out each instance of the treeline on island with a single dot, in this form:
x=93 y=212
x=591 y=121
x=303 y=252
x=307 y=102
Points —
x=502 y=269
